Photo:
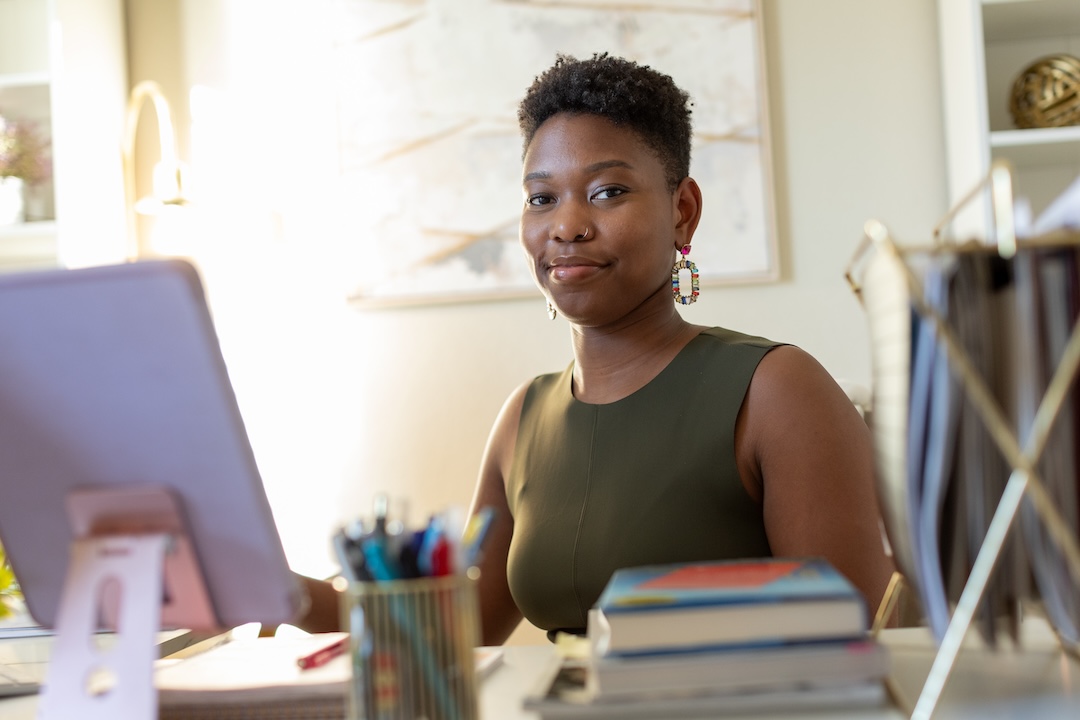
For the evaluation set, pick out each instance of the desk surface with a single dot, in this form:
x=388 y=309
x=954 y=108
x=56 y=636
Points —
x=1038 y=681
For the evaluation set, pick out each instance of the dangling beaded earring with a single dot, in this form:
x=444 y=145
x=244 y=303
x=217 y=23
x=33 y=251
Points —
x=685 y=263
x=552 y=312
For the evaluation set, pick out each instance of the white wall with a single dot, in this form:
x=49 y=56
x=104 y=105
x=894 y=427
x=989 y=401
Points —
x=342 y=402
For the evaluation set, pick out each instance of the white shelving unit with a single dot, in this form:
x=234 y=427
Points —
x=63 y=67
x=985 y=45
x=24 y=96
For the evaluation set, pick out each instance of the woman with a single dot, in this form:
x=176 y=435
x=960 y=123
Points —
x=663 y=441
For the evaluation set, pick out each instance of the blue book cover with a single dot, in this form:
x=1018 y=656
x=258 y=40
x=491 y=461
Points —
x=766 y=580
x=722 y=603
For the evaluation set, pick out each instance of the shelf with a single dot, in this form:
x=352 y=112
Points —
x=27 y=246
x=62 y=69
x=21 y=80
x=1007 y=20
x=985 y=45
x=39 y=228
x=24 y=33
x=1037 y=147
x=24 y=100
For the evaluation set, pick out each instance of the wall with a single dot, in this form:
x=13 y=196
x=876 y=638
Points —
x=342 y=402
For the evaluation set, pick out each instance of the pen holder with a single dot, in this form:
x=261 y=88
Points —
x=412 y=647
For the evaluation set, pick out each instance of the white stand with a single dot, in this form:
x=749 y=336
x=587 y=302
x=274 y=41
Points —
x=89 y=683
x=133 y=570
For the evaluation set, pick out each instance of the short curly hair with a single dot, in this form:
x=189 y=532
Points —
x=627 y=93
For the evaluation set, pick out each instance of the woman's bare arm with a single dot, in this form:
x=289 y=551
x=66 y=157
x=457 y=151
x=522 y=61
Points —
x=499 y=614
x=805 y=450
x=323 y=612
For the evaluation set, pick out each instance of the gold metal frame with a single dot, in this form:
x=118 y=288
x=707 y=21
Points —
x=888 y=603
x=1024 y=479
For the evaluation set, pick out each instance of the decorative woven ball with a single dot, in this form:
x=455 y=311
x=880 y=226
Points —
x=1047 y=93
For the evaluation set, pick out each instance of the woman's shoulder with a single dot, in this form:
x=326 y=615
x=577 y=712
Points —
x=727 y=336
x=791 y=389
x=789 y=365
x=527 y=392
x=722 y=350
x=557 y=382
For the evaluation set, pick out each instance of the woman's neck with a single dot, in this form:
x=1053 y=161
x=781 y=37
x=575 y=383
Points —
x=612 y=363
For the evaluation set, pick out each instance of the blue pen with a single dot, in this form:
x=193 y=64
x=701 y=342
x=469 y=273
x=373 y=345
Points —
x=409 y=554
x=427 y=545
x=381 y=566
x=375 y=545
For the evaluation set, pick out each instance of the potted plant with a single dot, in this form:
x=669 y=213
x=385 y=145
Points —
x=24 y=164
x=10 y=596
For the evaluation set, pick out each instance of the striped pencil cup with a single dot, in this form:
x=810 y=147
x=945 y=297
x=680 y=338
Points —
x=412 y=649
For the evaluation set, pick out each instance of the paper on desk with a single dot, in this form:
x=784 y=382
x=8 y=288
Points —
x=265 y=670
x=262 y=669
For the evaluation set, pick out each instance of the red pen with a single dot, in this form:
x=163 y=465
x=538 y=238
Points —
x=323 y=655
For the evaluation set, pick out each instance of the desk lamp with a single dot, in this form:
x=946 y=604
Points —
x=167 y=186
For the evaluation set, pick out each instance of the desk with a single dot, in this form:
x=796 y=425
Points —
x=28 y=654
x=1036 y=683
x=1039 y=682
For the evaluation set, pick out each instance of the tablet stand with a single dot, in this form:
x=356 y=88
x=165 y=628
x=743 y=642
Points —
x=132 y=570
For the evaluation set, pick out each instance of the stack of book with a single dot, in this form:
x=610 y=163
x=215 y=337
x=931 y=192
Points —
x=721 y=637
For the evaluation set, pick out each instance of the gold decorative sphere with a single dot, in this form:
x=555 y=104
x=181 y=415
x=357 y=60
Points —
x=1047 y=93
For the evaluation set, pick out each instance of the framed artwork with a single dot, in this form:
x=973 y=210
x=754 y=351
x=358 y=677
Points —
x=430 y=154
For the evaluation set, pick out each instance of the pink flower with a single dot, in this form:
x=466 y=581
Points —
x=24 y=152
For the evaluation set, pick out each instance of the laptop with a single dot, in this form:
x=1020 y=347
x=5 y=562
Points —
x=25 y=651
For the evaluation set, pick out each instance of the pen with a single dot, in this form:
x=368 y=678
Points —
x=347 y=545
x=427 y=543
x=376 y=560
x=441 y=558
x=475 y=534
x=323 y=655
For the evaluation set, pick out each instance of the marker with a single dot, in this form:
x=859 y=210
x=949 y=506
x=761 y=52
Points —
x=442 y=561
x=475 y=534
x=376 y=560
x=427 y=545
x=323 y=655
x=347 y=545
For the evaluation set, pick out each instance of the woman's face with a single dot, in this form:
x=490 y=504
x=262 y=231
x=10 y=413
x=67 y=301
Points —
x=586 y=176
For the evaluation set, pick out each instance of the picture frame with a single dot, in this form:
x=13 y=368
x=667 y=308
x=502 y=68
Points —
x=430 y=152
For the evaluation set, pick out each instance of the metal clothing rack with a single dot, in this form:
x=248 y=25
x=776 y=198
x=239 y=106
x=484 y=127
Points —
x=1022 y=454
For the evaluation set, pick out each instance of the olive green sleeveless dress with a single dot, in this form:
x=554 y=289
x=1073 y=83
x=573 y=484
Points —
x=647 y=479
